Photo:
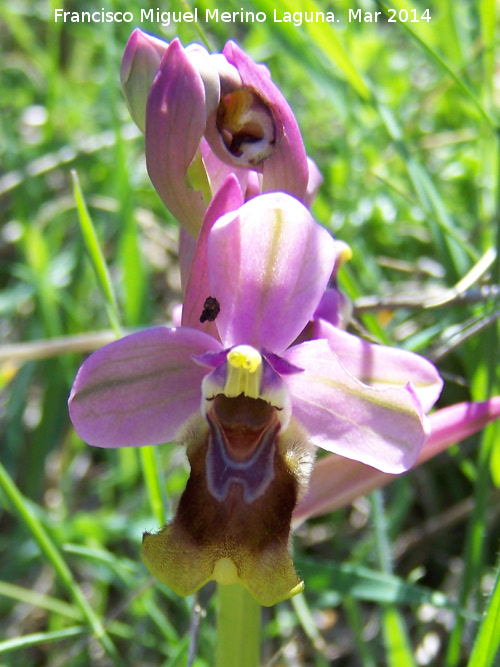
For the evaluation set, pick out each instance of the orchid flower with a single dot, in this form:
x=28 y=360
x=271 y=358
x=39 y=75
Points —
x=249 y=405
x=211 y=115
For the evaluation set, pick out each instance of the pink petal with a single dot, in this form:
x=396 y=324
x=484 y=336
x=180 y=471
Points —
x=337 y=481
x=140 y=389
x=314 y=182
x=140 y=62
x=228 y=198
x=335 y=308
x=218 y=171
x=187 y=246
x=381 y=366
x=384 y=428
x=175 y=122
x=456 y=422
x=268 y=266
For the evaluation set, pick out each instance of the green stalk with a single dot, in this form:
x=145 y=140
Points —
x=238 y=628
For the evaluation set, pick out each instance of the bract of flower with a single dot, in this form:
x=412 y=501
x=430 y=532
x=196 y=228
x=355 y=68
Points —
x=246 y=402
x=176 y=114
x=336 y=481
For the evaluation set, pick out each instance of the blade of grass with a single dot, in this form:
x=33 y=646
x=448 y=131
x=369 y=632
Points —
x=152 y=478
x=40 y=600
x=399 y=652
x=487 y=16
x=328 y=42
x=442 y=65
x=310 y=627
x=37 y=638
x=487 y=641
x=96 y=256
x=354 y=617
x=56 y=606
x=53 y=555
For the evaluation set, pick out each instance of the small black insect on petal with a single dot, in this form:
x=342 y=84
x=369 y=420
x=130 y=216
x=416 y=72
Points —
x=211 y=309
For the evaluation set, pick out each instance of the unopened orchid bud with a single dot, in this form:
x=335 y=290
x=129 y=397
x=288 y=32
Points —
x=140 y=63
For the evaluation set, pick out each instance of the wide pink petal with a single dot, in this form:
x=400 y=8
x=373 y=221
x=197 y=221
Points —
x=381 y=366
x=384 y=428
x=336 y=481
x=140 y=389
x=268 y=265
x=175 y=122
x=228 y=198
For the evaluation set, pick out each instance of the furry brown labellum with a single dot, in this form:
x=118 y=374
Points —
x=233 y=519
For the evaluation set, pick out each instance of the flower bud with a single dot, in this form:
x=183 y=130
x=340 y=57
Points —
x=140 y=62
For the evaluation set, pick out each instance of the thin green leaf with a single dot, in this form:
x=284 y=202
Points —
x=95 y=254
x=487 y=642
x=363 y=583
x=444 y=67
x=32 y=597
x=309 y=625
x=152 y=477
x=37 y=638
x=399 y=652
x=327 y=40
x=57 y=561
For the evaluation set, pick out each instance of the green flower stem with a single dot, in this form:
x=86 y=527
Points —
x=238 y=628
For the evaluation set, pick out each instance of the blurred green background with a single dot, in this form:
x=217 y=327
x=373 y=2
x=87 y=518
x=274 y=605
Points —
x=402 y=120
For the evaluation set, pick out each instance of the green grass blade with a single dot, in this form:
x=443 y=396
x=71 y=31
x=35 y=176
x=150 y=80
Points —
x=399 y=652
x=95 y=254
x=53 y=555
x=487 y=641
x=36 y=638
x=309 y=626
x=363 y=583
x=152 y=479
x=354 y=616
x=32 y=597
x=487 y=14
x=445 y=68
x=326 y=39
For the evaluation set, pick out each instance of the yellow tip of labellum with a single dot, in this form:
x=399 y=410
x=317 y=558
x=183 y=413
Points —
x=225 y=572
